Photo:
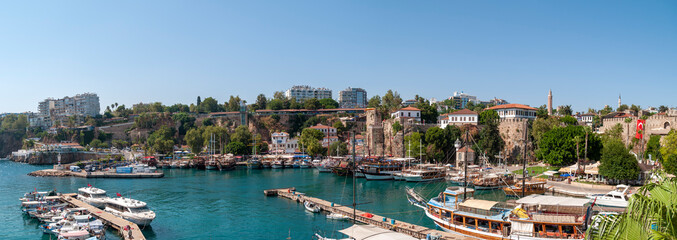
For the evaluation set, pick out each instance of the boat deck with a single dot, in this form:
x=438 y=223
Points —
x=413 y=230
x=107 y=218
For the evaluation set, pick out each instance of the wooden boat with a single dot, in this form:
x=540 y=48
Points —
x=494 y=181
x=531 y=187
x=425 y=173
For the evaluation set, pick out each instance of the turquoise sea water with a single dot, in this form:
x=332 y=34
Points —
x=198 y=204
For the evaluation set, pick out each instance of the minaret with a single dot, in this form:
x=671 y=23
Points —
x=550 y=102
x=619 y=101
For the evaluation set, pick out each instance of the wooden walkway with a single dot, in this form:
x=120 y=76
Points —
x=105 y=217
x=413 y=230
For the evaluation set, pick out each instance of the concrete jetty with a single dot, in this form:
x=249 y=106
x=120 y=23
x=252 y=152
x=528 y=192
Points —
x=413 y=230
x=97 y=174
x=109 y=219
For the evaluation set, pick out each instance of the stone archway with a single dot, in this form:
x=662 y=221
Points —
x=666 y=125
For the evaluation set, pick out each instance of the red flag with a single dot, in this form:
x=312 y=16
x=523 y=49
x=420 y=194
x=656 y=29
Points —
x=119 y=195
x=640 y=129
x=89 y=185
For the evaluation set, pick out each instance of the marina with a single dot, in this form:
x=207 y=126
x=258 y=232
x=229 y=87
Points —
x=117 y=223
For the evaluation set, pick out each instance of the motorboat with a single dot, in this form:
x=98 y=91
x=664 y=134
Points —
x=381 y=170
x=311 y=207
x=93 y=196
x=277 y=164
x=305 y=164
x=337 y=216
x=494 y=181
x=615 y=198
x=131 y=210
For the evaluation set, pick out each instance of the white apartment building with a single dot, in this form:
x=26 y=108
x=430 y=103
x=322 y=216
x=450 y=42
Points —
x=281 y=144
x=302 y=93
x=514 y=111
x=353 y=98
x=327 y=130
x=86 y=104
x=585 y=119
x=459 y=118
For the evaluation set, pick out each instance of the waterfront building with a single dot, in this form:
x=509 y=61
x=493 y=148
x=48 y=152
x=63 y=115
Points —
x=585 y=119
x=353 y=98
x=303 y=92
x=515 y=111
x=327 y=130
x=459 y=118
x=465 y=154
x=81 y=105
x=462 y=99
x=407 y=113
x=281 y=143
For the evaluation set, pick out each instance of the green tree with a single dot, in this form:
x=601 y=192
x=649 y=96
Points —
x=312 y=104
x=669 y=152
x=542 y=112
x=542 y=125
x=397 y=127
x=161 y=140
x=310 y=136
x=275 y=104
x=340 y=128
x=198 y=102
x=617 y=162
x=237 y=148
x=261 y=102
x=635 y=108
x=568 y=120
x=662 y=109
x=242 y=135
x=653 y=147
x=428 y=111
x=315 y=148
x=558 y=146
x=374 y=102
x=233 y=104
x=328 y=103
x=490 y=141
x=342 y=149
x=209 y=105
x=391 y=100
x=615 y=132
x=606 y=110
x=622 y=108
x=185 y=122
x=565 y=110
x=488 y=117
x=220 y=136
x=650 y=215
x=670 y=164
x=414 y=145
x=441 y=142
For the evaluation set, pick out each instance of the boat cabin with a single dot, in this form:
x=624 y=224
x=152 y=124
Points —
x=550 y=217
x=127 y=205
x=91 y=192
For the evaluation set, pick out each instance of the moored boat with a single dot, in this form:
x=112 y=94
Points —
x=615 y=198
x=425 y=173
x=311 y=207
x=93 y=196
x=493 y=181
x=530 y=187
x=131 y=210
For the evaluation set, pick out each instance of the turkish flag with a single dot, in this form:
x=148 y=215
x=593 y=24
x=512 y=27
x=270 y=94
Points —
x=640 y=128
x=89 y=185
x=119 y=195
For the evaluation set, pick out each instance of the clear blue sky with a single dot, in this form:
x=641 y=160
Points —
x=587 y=52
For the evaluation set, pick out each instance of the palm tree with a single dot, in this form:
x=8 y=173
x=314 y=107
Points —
x=651 y=214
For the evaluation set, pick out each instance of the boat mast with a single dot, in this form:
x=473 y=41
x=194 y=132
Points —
x=354 y=182
x=524 y=160
x=465 y=163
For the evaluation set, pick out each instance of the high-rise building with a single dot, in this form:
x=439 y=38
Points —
x=81 y=105
x=353 y=98
x=302 y=93
x=461 y=99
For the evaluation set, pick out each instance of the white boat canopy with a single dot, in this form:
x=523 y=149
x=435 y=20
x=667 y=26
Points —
x=368 y=232
x=553 y=201
x=478 y=204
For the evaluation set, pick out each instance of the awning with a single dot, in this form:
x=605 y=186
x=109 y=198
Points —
x=549 y=173
x=368 y=232
x=553 y=201
x=478 y=204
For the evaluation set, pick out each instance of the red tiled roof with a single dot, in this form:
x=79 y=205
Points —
x=512 y=105
x=317 y=110
x=320 y=126
x=466 y=149
x=410 y=109
x=463 y=111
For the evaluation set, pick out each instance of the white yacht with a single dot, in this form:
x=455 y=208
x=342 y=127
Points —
x=616 y=198
x=93 y=196
x=131 y=210
x=425 y=173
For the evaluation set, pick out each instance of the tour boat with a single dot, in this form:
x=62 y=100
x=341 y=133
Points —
x=425 y=173
x=325 y=166
x=535 y=217
x=616 y=198
x=530 y=187
x=211 y=165
x=311 y=207
x=254 y=163
x=342 y=169
x=381 y=170
x=131 y=210
x=93 y=196
x=493 y=181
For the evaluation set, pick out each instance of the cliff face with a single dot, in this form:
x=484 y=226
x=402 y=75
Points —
x=9 y=142
x=49 y=158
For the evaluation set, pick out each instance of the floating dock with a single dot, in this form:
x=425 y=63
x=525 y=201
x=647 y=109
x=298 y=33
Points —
x=413 y=230
x=97 y=174
x=109 y=219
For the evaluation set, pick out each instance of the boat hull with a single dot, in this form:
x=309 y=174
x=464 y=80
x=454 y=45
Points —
x=323 y=169
x=370 y=176
x=421 y=179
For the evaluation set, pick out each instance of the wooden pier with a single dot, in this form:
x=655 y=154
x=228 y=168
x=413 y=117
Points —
x=109 y=219
x=413 y=230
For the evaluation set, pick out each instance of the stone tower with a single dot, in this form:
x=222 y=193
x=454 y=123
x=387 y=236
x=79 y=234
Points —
x=550 y=102
x=619 y=101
